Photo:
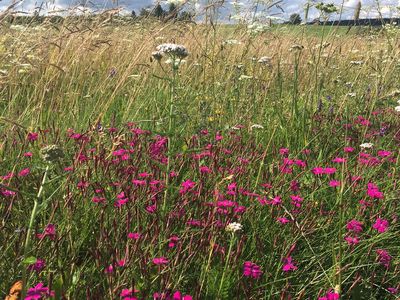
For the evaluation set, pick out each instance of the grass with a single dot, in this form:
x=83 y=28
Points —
x=158 y=160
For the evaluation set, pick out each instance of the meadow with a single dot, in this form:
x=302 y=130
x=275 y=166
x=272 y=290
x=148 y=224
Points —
x=179 y=161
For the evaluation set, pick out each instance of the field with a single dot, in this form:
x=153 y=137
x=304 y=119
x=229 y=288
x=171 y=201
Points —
x=240 y=165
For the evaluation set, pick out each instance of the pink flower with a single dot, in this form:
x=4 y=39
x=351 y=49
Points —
x=109 y=269
x=38 y=266
x=381 y=225
x=284 y=151
x=97 y=199
x=296 y=200
x=24 y=172
x=160 y=261
x=39 y=292
x=334 y=183
x=384 y=257
x=339 y=160
x=373 y=191
x=348 y=149
x=330 y=296
x=205 y=170
x=32 y=136
x=289 y=265
x=178 y=296
x=49 y=230
x=173 y=240
x=354 y=226
x=283 y=220
x=187 y=186
x=128 y=294
x=384 y=153
x=28 y=154
x=251 y=270
x=352 y=240
x=134 y=235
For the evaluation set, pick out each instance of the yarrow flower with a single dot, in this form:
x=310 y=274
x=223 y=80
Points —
x=366 y=145
x=174 y=50
x=233 y=227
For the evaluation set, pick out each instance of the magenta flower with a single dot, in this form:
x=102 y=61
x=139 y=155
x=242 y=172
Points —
x=251 y=270
x=28 y=154
x=354 y=226
x=283 y=220
x=381 y=225
x=39 y=292
x=339 y=160
x=24 y=172
x=384 y=257
x=296 y=200
x=49 y=230
x=352 y=240
x=173 y=240
x=178 y=296
x=109 y=269
x=38 y=266
x=330 y=296
x=384 y=153
x=32 y=136
x=334 y=183
x=348 y=149
x=187 y=186
x=373 y=191
x=160 y=261
x=134 y=235
x=289 y=264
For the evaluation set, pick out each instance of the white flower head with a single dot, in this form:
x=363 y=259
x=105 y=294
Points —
x=265 y=60
x=398 y=101
x=232 y=42
x=366 y=146
x=175 y=50
x=397 y=108
x=233 y=227
x=256 y=126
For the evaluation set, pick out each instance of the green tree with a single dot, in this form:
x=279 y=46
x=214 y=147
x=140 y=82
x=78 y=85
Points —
x=295 y=19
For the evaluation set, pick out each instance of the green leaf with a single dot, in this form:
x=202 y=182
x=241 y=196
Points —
x=29 y=260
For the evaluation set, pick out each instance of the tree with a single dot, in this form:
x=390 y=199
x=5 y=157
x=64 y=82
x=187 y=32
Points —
x=186 y=16
x=357 y=12
x=295 y=19
x=173 y=10
x=144 y=12
x=158 y=11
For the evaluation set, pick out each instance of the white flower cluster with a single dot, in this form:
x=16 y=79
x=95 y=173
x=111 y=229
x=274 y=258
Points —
x=265 y=60
x=366 y=146
x=173 y=50
x=233 y=227
x=397 y=108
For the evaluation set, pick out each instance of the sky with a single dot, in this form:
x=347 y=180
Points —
x=369 y=7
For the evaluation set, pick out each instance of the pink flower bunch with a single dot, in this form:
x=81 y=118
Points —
x=49 y=231
x=251 y=270
x=384 y=257
x=38 y=266
x=160 y=260
x=330 y=295
x=381 y=225
x=289 y=264
x=373 y=191
x=129 y=294
x=39 y=292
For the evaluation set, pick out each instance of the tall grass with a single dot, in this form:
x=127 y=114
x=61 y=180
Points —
x=93 y=89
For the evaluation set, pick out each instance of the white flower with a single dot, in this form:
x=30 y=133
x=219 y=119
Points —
x=265 y=60
x=232 y=42
x=176 y=62
x=173 y=50
x=256 y=126
x=352 y=95
x=398 y=101
x=244 y=77
x=366 y=145
x=397 y=108
x=356 y=62
x=233 y=227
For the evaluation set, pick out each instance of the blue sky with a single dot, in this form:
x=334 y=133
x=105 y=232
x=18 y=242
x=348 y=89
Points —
x=387 y=7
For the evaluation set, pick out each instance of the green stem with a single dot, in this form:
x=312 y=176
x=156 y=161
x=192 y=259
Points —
x=226 y=263
x=27 y=245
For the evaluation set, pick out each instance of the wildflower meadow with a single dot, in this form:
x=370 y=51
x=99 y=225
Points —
x=142 y=159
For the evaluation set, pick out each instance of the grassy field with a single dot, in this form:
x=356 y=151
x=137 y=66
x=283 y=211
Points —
x=260 y=166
